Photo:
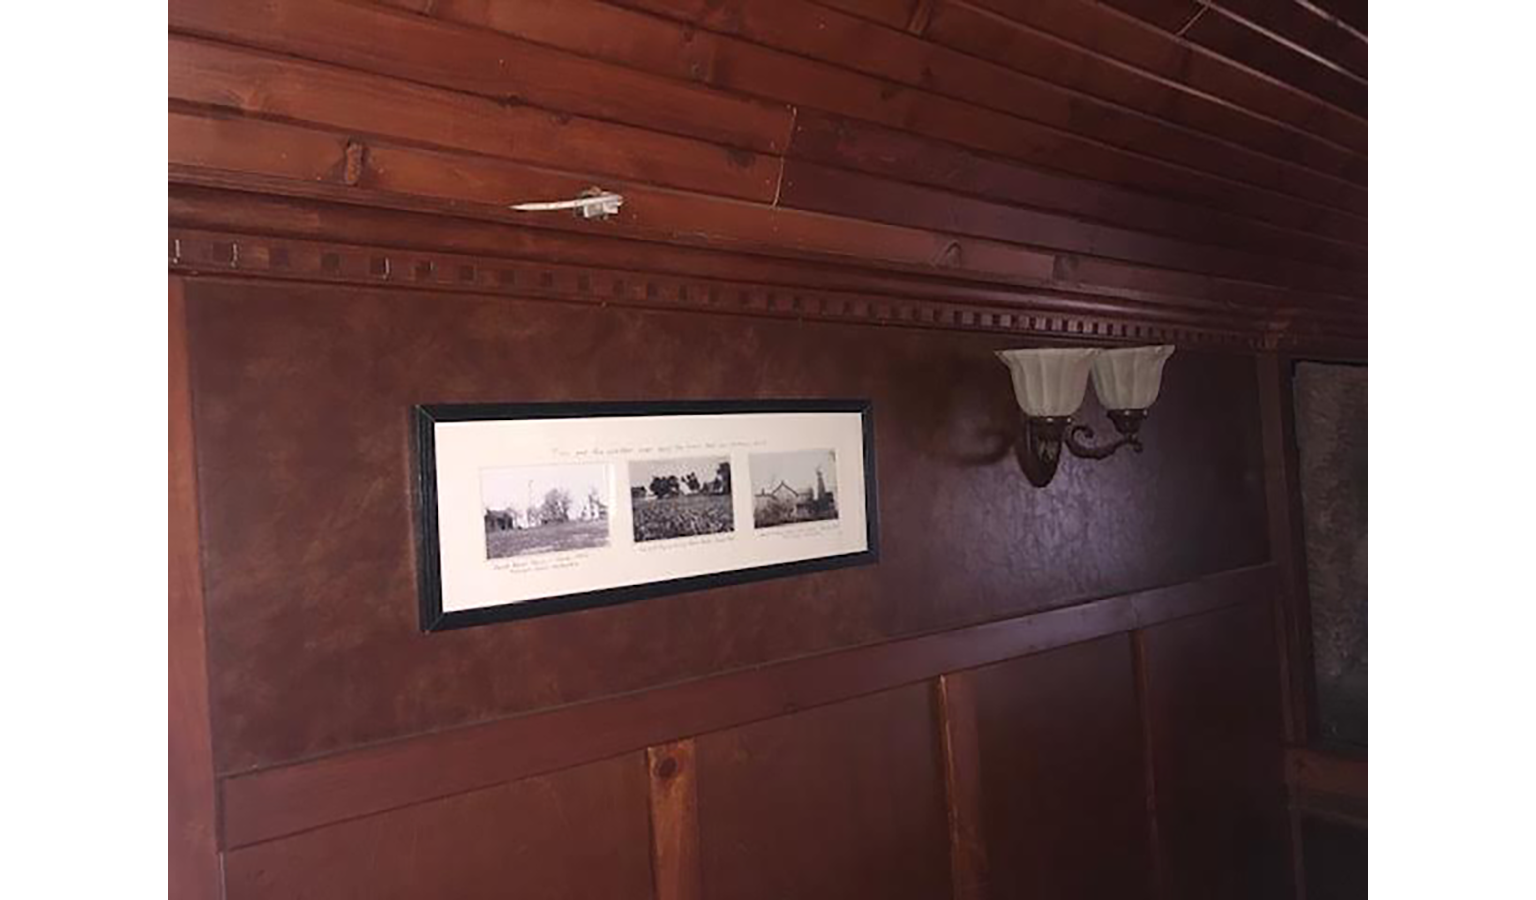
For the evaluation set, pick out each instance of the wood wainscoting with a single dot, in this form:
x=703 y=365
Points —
x=1124 y=747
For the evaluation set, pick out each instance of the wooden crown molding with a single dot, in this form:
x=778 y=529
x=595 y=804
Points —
x=198 y=252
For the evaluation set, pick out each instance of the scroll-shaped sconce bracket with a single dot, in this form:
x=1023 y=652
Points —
x=1039 y=447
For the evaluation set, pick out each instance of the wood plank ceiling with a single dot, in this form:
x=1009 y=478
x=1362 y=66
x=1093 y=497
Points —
x=1195 y=164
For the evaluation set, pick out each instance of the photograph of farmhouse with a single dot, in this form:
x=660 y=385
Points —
x=544 y=509
x=675 y=498
x=793 y=487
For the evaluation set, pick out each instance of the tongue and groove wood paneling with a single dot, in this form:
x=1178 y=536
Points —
x=1018 y=146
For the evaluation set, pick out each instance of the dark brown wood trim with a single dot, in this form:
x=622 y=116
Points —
x=1149 y=766
x=674 y=821
x=956 y=695
x=1319 y=772
x=1282 y=497
x=194 y=867
x=270 y=803
x=1039 y=315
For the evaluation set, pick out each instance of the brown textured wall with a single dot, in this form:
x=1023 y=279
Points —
x=301 y=396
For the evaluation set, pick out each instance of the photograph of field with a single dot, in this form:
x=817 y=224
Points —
x=681 y=497
x=544 y=509
x=788 y=488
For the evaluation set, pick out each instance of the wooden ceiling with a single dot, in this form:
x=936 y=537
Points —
x=1199 y=166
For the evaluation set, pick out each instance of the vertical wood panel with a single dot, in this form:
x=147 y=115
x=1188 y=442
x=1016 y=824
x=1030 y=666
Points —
x=1060 y=756
x=1212 y=699
x=836 y=802
x=963 y=786
x=1282 y=497
x=193 y=854
x=675 y=821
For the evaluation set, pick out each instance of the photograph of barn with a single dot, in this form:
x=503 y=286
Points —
x=788 y=488
x=544 y=509
x=675 y=498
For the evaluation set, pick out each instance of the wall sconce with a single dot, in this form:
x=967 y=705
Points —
x=1049 y=385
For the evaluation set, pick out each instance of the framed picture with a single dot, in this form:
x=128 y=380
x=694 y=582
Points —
x=531 y=509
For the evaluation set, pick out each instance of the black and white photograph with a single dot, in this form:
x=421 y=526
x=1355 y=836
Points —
x=675 y=498
x=544 y=509
x=523 y=509
x=789 y=488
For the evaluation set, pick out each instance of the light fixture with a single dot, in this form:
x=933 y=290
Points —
x=1049 y=386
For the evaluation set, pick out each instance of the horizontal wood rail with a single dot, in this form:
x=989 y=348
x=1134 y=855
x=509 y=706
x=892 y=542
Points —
x=1044 y=314
x=1319 y=772
x=271 y=803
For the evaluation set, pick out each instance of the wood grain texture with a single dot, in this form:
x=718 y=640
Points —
x=675 y=864
x=579 y=833
x=893 y=297
x=284 y=800
x=257 y=83
x=487 y=63
x=1061 y=759
x=1130 y=40
x=194 y=865
x=964 y=785
x=465 y=185
x=841 y=801
x=1212 y=703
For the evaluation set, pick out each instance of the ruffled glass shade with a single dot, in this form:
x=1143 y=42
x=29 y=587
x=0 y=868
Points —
x=1050 y=382
x=1129 y=378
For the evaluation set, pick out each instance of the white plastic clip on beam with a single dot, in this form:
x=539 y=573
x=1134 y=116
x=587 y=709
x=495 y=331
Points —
x=592 y=204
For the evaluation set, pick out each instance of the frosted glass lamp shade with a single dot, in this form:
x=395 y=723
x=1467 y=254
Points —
x=1050 y=382
x=1129 y=378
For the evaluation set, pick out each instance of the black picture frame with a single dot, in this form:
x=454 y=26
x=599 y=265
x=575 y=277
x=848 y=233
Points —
x=425 y=417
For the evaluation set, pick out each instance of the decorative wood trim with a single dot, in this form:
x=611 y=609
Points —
x=1282 y=498
x=273 y=802
x=675 y=821
x=1154 y=836
x=201 y=252
x=194 y=868
x=956 y=695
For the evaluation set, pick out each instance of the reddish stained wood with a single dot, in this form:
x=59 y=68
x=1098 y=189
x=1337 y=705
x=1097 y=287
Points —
x=266 y=804
x=476 y=182
x=194 y=866
x=488 y=63
x=986 y=34
x=963 y=787
x=675 y=49
x=261 y=84
x=1064 y=808
x=1299 y=23
x=849 y=144
x=798 y=26
x=1235 y=39
x=1122 y=37
x=827 y=804
x=674 y=820
x=577 y=834
x=1130 y=316
x=811 y=186
x=891 y=13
